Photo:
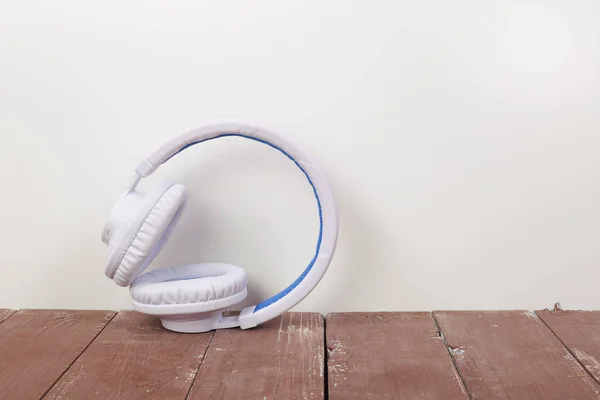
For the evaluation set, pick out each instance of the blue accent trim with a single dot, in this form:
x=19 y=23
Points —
x=291 y=287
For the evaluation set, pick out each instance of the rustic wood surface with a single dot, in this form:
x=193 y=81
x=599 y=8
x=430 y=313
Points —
x=282 y=359
x=513 y=355
x=389 y=356
x=134 y=358
x=56 y=355
x=580 y=332
x=37 y=346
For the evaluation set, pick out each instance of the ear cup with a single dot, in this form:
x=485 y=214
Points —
x=138 y=238
x=211 y=285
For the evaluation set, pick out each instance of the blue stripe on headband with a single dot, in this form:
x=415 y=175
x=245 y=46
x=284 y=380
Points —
x=291 y=287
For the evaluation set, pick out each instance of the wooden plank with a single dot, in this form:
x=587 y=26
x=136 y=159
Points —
x=513 y=355
x=389 y=356
x=4 y=313
x=281 y=359
x=37 y=346
x=580 y=332
x=133 y=358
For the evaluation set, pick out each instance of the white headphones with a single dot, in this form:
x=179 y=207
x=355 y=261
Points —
x=193 y=298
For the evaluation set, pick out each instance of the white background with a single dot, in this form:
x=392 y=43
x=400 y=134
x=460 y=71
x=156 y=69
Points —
x=462 y=139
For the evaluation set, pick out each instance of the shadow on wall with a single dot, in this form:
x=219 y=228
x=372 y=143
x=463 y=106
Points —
x=368 y=260
x=261 y=241
x=353 y=270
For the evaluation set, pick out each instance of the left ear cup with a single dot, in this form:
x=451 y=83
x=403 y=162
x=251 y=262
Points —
x=196 y=287
x=139 y=227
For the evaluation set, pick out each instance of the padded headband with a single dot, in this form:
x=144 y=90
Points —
x=316 y=176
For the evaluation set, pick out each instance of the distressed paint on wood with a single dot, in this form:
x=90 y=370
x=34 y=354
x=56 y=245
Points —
x=134 y=357
x=513 y=355
x=37 y=346
x=389 y=356
x=580 y=332
x=281 y=359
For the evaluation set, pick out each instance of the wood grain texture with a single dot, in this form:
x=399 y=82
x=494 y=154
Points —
x=389 y=356
x=580 y=332
x=4 y=313
x=37 y=346
x=134 y=358
x=513 y=355
x=281 y=359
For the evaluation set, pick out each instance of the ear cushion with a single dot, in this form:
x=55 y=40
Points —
x=145 y=233
x=189 y=284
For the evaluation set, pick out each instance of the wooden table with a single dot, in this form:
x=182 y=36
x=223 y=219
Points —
x=67 y=354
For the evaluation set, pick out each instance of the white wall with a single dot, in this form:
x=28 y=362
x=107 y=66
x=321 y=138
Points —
x=462 y=139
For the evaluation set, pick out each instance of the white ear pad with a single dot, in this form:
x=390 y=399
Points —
x=139 y=227
x=204 y=287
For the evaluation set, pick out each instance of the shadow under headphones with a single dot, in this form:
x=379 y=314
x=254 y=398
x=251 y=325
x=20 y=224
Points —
x=193 y=298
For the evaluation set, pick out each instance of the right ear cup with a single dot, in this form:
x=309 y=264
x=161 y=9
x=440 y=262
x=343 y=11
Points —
x=139 y=227
x=189 y=288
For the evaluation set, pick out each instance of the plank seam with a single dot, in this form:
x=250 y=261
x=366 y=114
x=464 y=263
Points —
x=201 y=364
x=326 y=363
x=454 y=363
x=567 y=347
x=79 y=356
x=10 y=314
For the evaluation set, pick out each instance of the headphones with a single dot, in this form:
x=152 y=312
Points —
x=194 y=298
